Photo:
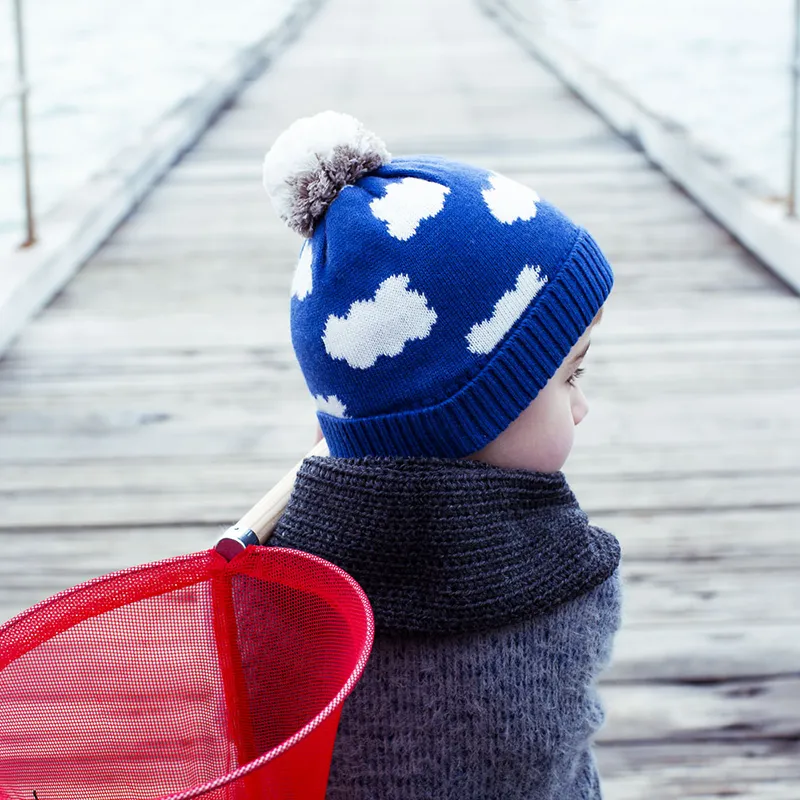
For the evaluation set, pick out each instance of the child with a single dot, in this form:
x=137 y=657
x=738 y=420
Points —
x=440 y=315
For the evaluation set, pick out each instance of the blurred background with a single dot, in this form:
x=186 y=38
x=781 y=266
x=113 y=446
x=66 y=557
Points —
x=102 y=73
x=105 y=71
x=721 y=69
x=148 y=389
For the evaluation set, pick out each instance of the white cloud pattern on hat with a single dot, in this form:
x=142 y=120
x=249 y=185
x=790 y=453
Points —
x=381 y=326
x=331 y=405
x=303 y=281
x=406 y=203
x=485 y=336
x=509 y=201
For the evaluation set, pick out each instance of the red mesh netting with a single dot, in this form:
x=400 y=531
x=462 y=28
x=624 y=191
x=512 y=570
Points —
x=188 y=677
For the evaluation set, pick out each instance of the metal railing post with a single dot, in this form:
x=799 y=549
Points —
x=795 y=122
x=23 y=89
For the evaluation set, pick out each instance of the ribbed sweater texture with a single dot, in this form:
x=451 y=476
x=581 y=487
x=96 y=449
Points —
x=495 y=604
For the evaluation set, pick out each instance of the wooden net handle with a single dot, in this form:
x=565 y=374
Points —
x=257 y=525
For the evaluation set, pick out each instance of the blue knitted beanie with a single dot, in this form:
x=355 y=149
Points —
x=432 y=300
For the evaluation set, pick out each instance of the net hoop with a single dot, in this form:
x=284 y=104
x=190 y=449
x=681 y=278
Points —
x=354 y=677
x=19 y=646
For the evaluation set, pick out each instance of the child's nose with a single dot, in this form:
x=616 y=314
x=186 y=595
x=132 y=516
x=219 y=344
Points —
x=580 y=406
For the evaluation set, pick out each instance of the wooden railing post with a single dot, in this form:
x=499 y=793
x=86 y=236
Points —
x=795 y=123
x=23 y=89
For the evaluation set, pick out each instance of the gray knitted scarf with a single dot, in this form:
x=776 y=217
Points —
x=444 y=546
x=495 y=604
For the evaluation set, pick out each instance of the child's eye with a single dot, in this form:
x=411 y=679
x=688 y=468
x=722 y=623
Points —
x=575 y=375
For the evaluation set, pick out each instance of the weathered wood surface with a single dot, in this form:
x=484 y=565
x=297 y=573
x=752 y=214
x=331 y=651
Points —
x=157 y=397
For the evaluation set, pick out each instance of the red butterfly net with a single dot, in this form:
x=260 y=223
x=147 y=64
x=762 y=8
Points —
x=184 y=678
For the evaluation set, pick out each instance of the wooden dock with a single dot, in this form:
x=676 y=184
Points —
x=157 y=397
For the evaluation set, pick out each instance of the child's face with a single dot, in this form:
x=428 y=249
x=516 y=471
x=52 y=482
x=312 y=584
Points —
x=541 y=437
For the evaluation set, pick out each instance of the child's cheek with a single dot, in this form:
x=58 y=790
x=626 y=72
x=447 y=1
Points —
x=545 y=432
x=554 y=445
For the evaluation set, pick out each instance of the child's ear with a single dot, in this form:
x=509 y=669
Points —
x=318 y=438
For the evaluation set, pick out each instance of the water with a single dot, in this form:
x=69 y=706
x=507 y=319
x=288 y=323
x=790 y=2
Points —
x=102 y=72
x=719 y=68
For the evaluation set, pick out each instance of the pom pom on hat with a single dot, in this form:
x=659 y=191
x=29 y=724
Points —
x=313 y=160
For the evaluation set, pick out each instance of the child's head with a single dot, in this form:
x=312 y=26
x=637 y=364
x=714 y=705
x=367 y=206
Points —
x=438 y=309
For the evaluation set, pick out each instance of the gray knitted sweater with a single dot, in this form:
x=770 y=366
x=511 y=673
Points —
x=495 y=605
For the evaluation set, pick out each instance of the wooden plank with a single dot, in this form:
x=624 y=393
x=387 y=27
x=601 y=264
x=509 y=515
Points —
x=637 y=459
x=743 y=317
x=208 y=495
x=144 y=416
x=263 y=371
x=691 y=314
x=674 y=652
x=149 y=428
x=235 y=238
x=175 y=473
x=701 y=771
x=145 y=330
x=181 y=193
x=612 y=358
x=756 y=537
x=741 y=710
x=552 y=128
x=699 y=315
x=600 y=198
x=126 y=273
x=45 y=562
x=700 y=493
x=752 y=536
x=701 y=594
x=705 y=420
x=201 y=167
x=609 y=360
